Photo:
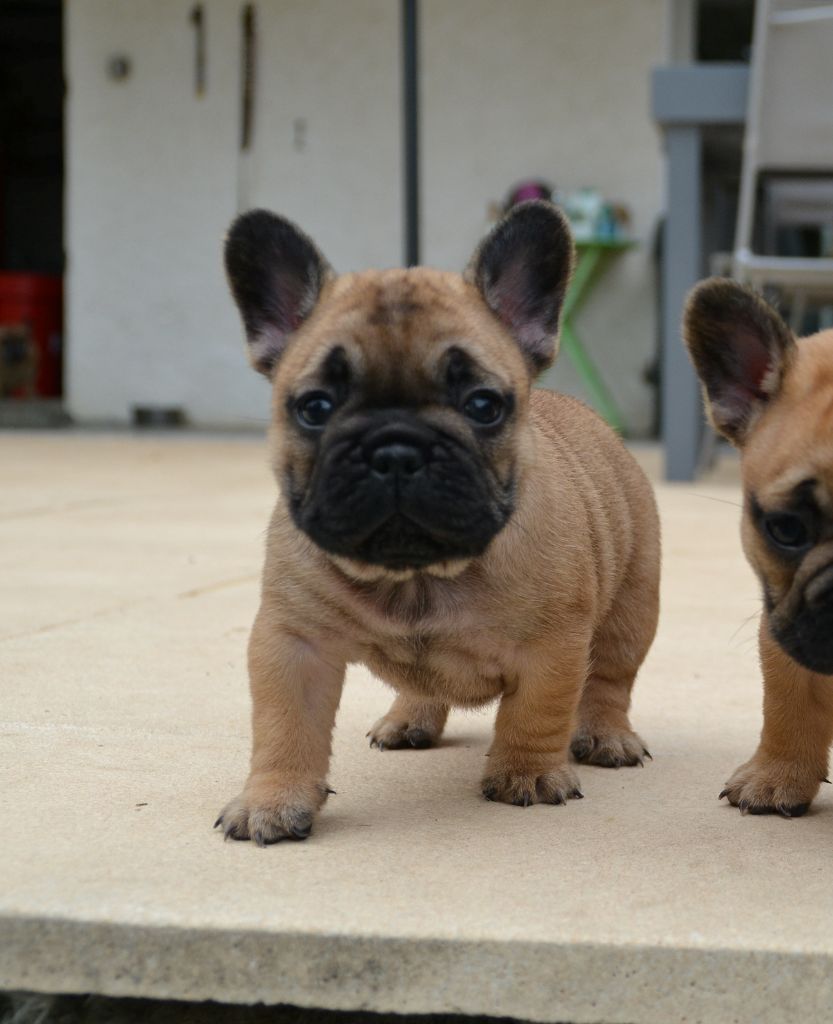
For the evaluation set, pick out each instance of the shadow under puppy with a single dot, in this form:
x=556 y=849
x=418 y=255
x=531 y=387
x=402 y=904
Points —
x=772 y=397
x=464 y=537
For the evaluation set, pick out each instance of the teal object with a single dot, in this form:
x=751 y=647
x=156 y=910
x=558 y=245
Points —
x=594 y=255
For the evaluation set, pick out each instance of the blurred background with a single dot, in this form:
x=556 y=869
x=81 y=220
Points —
x=132 y=132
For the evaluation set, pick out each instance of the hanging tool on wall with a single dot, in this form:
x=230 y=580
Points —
x=197 y=19
x=248 y=85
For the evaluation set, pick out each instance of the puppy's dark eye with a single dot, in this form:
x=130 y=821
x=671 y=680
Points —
x=786 y=530
x=484 y=407
x=314 y=409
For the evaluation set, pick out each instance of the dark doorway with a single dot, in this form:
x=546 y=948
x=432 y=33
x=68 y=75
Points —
x=31 y=199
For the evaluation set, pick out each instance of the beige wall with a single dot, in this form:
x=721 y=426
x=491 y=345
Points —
x=556 y=89
x=151 y=187
x=155 y=175
x=327 y=150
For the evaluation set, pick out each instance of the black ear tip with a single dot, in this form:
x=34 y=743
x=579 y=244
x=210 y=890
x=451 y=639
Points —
x=706 y=298
x=717 y=292
x=259 y=236
x=538 y=215
x=255 y=226
x=250 y=221
x=247 y=232
x=720 y=301
x=255 y=216
x=535 y=229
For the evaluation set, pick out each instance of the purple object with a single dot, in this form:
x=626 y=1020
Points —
x=528 y=190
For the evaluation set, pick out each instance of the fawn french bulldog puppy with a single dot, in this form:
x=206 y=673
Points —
x=464 y=537
x=772 y=397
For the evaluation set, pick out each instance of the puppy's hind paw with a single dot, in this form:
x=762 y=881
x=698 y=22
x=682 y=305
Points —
x=609 y=749
x=389 y=734
x=523 y=788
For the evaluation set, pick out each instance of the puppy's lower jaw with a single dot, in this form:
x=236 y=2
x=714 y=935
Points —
x=367 y=573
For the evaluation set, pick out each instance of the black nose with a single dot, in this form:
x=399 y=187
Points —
x=396 y=459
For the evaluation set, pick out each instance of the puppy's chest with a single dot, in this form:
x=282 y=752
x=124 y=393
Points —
x=460 y=667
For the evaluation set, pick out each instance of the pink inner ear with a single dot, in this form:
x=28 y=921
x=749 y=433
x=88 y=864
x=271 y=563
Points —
x=510 y=300
x=507 y=298
x=293 y=300
x=754 y=363
x=741 y=383
x=509 y=310
x=733 y=406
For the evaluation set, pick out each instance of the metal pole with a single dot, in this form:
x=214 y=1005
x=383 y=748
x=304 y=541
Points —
x=682 y=414
x=410 y=124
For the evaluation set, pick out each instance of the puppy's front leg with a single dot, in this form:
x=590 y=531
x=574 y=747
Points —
x=784 y=773
x=295 y=694
x=528 y=758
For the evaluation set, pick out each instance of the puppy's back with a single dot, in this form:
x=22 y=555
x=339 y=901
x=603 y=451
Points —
x=616 y=496
x=574 y=425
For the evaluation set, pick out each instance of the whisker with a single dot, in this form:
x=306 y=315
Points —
x=711 y=497
x=744 y=624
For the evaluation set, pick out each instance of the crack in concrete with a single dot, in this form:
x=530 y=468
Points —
x=52 y=626
x=39 y=511
x=196 y=592
x=222 y=585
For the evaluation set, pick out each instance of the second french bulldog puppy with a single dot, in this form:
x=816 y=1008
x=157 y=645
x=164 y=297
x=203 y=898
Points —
x=772 y=397
x=466 y=538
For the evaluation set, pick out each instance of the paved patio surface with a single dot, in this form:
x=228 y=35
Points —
x=128 y=581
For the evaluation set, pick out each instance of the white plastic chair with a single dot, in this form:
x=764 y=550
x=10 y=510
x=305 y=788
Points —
x=789 y=131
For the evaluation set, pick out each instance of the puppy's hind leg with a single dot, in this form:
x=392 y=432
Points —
x=603 y=734
x=410 y=722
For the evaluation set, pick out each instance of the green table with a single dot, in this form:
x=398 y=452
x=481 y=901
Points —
x=594 y=255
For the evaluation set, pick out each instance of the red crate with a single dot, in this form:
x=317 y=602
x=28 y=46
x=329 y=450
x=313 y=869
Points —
x=34 y=303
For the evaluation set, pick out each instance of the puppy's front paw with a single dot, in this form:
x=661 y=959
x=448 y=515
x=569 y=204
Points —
x=768 y=786
x=608 y=748
x=268 y=811
x=515 y=786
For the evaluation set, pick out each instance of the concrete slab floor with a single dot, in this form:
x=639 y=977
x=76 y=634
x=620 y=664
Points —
x=128 y=582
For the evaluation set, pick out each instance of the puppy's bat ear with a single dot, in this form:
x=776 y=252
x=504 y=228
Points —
x=276 y=275
x=522 y=269
x=740 y=348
